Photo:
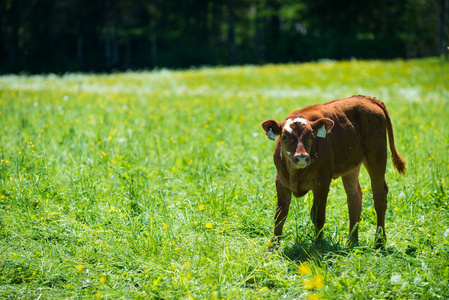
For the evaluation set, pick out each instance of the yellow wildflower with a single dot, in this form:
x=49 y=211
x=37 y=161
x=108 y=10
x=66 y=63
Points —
x=209 y=225
x=308 y=284
x=316 y=282
x=165 y=226
x=201 y=207
x=79 y=267
x=313 y=296
x=304 y=269
x=103 y=279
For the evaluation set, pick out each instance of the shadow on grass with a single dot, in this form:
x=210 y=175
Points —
x=300 y=251
x=305 y=247
x=306 y=250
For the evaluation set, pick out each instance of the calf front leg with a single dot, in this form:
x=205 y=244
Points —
x=283 y=204
x=318 y=211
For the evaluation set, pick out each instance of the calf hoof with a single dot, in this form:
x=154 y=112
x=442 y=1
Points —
x=352 y=242
x=274 y=244
x=379 y=244
x=381 y=239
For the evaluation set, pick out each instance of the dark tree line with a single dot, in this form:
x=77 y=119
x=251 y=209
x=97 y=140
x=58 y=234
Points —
x=39 y=36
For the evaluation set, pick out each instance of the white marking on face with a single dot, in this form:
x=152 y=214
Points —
x=297 y=120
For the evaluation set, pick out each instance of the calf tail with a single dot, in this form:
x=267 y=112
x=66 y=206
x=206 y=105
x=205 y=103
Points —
x=398 y=162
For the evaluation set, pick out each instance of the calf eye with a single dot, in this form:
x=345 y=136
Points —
x=284 y=137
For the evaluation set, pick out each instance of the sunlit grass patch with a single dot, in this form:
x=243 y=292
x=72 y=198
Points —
x=161 y=185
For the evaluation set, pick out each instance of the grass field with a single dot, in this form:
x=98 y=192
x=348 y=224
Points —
x=160 y=185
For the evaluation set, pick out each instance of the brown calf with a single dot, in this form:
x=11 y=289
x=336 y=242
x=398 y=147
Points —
x=325 y=141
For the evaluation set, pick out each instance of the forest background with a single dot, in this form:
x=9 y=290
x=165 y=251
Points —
x=58 y=36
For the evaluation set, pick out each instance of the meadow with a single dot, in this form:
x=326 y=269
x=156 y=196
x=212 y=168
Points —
x=160 y=185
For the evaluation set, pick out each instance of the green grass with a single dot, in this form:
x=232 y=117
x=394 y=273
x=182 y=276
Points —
x=161 y=185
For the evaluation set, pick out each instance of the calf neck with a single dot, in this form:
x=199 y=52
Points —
x=325 y=141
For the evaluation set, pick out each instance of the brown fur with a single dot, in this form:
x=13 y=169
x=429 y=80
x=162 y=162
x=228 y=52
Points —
x=356 y=130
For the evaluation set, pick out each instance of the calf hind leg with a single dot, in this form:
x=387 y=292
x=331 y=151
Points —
x=380 y=191
x=354 y=198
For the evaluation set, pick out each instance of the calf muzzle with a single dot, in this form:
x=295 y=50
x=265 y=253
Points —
x=301 y=160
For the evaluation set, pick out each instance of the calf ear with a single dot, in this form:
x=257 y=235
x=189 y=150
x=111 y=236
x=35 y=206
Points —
x=272 y=128
x=322 y=126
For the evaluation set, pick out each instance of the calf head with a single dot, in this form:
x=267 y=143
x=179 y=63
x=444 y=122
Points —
x=297 y=136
